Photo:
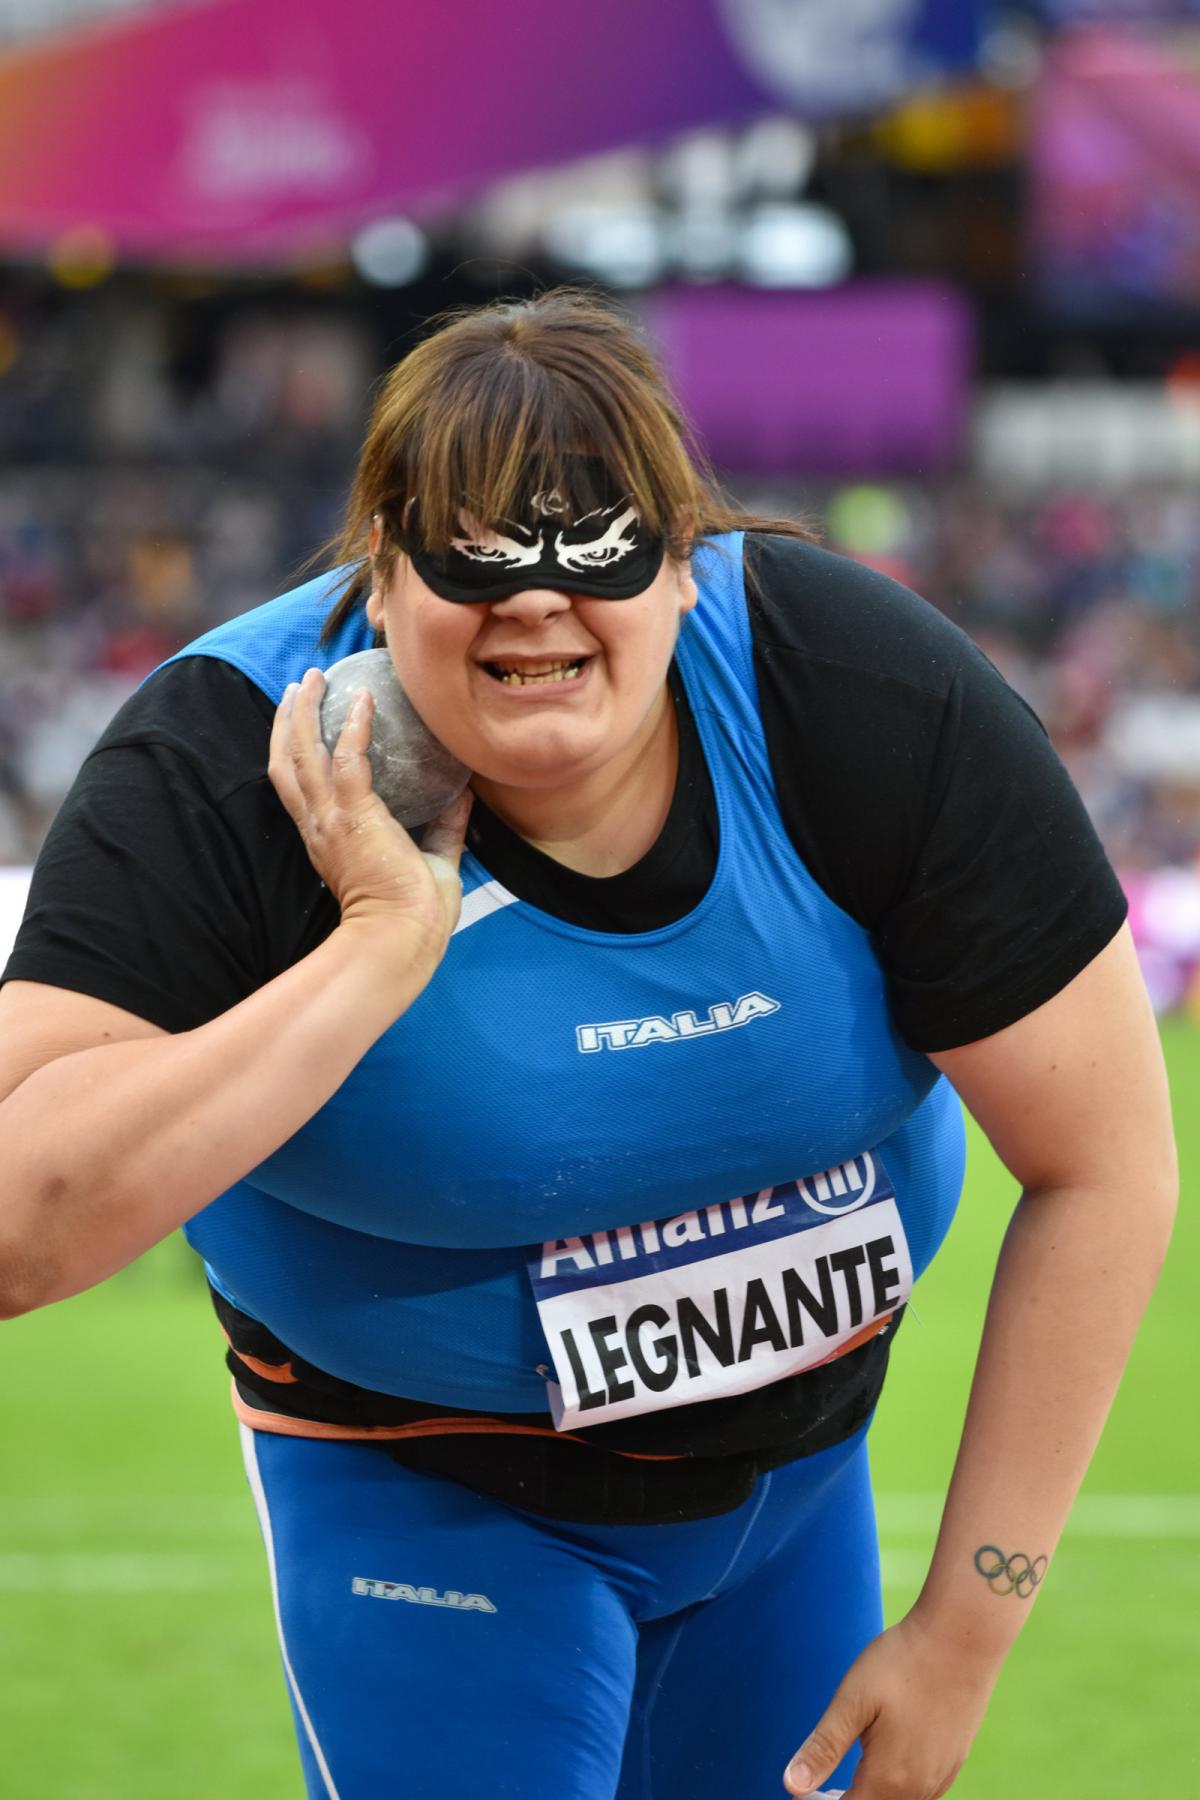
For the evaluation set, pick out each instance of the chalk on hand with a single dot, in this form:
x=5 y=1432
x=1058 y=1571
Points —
x=414 y=775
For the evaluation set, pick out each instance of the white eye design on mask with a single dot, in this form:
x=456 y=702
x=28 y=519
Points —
x=491 y=547
x=614 y=543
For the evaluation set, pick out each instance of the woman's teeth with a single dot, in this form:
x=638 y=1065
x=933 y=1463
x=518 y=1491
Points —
x=537 y=672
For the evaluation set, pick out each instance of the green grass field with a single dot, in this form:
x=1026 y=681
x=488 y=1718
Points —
x=137 y=1647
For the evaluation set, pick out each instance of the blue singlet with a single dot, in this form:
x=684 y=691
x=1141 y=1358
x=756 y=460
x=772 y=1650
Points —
x=552 y=1081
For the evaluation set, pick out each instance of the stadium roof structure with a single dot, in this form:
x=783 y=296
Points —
x=252 y=132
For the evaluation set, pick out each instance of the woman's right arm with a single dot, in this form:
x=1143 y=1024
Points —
x=115 y=1132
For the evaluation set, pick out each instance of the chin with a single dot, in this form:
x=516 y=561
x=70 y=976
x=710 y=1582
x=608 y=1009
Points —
x=543 y=767
x=531 y=774
x=540 y=755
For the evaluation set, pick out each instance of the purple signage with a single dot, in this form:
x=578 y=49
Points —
x=867 y=378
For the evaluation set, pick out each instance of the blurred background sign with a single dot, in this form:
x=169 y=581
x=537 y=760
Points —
x=1115 y=163
x=1136 y=13
x=238 y=129
x=872 y=377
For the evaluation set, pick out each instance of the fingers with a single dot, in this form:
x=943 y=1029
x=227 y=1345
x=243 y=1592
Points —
x=310 y=759
x=279 y=762
x=823 y=1749
x=301 y=769
x=442 y=847
x=894 y=1766
x=295 y=738
x=914 y=1706
x=351 y=764
x=362 y=853
x=445 y=835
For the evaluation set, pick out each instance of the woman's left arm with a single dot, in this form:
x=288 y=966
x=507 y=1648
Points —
x=1074 y=1099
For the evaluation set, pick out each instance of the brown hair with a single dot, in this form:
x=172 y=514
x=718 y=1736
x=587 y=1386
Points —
x=497 y=404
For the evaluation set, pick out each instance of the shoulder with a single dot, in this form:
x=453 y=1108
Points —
x=213 y=702
x=810 y=603
x=172 y=883
x=205 y=714
x=862 y=677
x=857 y=677
x=923 y=795
x=316 y=624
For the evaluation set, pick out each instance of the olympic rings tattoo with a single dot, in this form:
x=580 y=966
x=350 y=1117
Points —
x=1017 y=1571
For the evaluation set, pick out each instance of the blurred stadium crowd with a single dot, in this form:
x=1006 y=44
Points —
x=146 y=498
x=185 y=362
x=142 y=501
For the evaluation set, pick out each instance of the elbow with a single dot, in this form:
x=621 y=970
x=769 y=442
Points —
x=13 y=1303
x=1147 y=1231
x=35 y=1235
x=1169 y=1204
x=25 y=1283
x=1162 y=1190
x=1158 y=1203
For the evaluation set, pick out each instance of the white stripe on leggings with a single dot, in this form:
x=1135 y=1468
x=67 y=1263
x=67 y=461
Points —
x=250 y=1456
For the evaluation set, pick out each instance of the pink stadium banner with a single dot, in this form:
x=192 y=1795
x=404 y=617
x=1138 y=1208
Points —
x=250 y=130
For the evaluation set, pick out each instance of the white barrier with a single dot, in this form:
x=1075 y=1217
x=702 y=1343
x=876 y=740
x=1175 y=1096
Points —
x=14 y=885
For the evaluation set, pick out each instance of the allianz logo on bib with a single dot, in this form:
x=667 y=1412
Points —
x=632 y=1034
x=722 y=1299
x=658 y=1244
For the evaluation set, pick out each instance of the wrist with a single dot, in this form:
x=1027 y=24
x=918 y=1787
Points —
x=401 y=952
x=975 y=1628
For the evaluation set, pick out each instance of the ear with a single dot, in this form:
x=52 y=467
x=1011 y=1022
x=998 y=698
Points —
x=375 y=609
x=375 y=535
x=686 y=583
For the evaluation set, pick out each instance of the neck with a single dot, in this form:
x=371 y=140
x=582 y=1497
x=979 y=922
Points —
x=606 y=820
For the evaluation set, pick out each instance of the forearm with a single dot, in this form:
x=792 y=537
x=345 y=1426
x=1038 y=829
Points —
x=1073 y=1279
x=109 y=1149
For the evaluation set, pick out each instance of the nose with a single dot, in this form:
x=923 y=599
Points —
x=532 y=606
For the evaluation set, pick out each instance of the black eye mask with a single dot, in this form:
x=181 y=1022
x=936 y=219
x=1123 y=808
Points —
x=606 y=553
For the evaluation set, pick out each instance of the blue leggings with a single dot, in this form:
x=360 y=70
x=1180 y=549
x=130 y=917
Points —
x=633 y=1662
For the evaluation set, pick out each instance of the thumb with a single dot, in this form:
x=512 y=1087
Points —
x=442 y=846
x=444 y=835
x=845 y=1718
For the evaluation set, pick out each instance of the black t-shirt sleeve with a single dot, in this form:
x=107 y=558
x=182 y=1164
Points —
x=1010 y=893
x=923 y=795
x=172 y=883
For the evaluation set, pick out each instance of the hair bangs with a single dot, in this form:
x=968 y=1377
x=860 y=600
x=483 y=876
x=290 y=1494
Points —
x=518 y=430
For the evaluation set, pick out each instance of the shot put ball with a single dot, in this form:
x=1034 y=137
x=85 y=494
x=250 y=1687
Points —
x=414 y=775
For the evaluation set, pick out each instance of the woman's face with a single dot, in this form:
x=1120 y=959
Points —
x=543 y=688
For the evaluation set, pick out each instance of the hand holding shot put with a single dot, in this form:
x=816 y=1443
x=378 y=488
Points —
x=358 y=847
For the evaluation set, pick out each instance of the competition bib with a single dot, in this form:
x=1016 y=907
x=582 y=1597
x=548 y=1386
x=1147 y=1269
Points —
x=721 y=1300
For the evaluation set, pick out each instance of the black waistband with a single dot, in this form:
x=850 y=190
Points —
x=712 y=1452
